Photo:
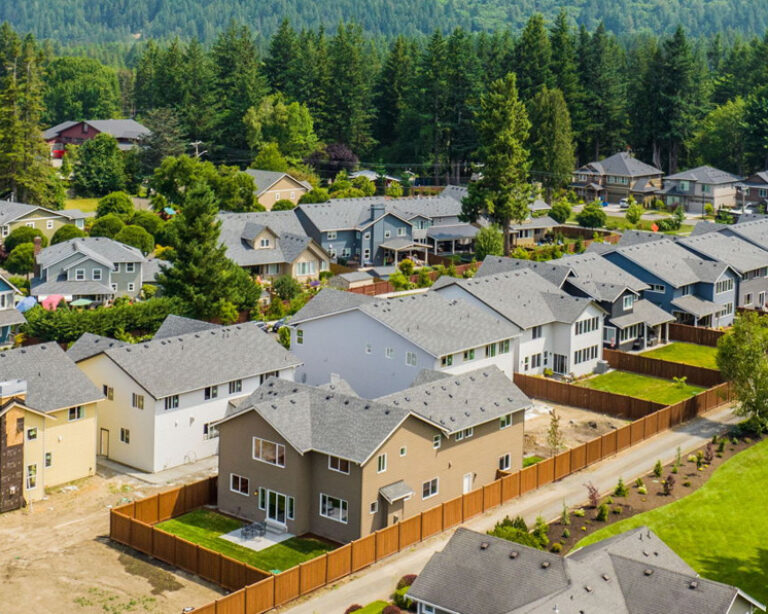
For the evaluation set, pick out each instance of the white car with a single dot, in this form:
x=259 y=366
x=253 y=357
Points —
x=624 y=203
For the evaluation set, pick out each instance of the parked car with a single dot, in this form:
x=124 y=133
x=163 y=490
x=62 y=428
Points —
x=277 y=325
x=624 y=203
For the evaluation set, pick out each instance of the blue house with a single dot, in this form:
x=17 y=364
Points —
x=10 y=317
x=696 y=291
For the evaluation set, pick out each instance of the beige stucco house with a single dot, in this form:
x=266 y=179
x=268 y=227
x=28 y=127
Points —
x=322 y=460
x=272 y=186
x=16 y=215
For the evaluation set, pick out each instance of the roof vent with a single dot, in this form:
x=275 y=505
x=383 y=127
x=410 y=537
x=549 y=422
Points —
x=694 y=584
x=366 y=406
x=545 y=564
x=648 y=572
x=484 y=546
x=514 y=554
x=588 y=589
x=606 y=577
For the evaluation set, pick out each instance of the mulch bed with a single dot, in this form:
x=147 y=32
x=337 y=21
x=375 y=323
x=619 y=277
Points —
x=687 y=480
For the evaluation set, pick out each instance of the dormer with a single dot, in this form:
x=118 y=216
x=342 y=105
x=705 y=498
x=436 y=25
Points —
x=258 y=236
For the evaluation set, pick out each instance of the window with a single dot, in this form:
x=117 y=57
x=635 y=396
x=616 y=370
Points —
x=426 y=609
x=629 y=300
x=401 y=231
x=211 y=392
x=131 y=287
x=338 y=464
x=109 y=392
x=368 y=348
x=331 y=236
x=235 y=386
x=277 y=196
x=264 y=243
x=728 y=310
x=706 y=188
x=76 y=413
x=535 y=361
x=587 y=326
x=504 y=346
x=761 y=299
x=299 y=336
x=130 y=267
x=117 y=267
x=262 y=498
x=447 y=361
x=526 y=363
x=48 y=459
x=264 y=376
x=366 y=254
x=683 y=186
x=96 y=274
x=346 y=252
x=536 y=332
x=389 y=352
x=505 y=421
x=724 y=285
x=490 y=350
x=374 y=507
x=381 y=463
x=403 y=451
x=30 y=224
x=505 y=462
x=387 y=234
x=469 y=355
x=125 y=435
x=31 y=477
x=410 y=359
x=586 y=354
x=49 y=224
x=79 y=274
x=333 y=508
x=437 y=440
x=686 y=290
x=660 y=288
x=137 y=401
x=367 y=236
x=19 y=425
x=465 y=434
x=32 y=434
x=459 y=435
x=6 y=230
x=172 y=402
x=113 y=287
x=305 y=268
x=210 y=431
x=631 y=332
x=239 y=484
x=429 y=489
x=269 y=452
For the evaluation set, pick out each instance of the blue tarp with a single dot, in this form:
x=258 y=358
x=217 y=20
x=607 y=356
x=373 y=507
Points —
x=26 y=304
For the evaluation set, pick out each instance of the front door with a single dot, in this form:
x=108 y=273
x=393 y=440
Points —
x=559 y=363
x=467 y=483
x=104 y=442
x=276 y=507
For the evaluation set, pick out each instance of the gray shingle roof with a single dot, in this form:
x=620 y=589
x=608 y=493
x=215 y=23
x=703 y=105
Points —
x=638 y=237
x=621 y=164
x=536 y=223
x=195 y=360
x=151 y=268
x=457 y=192
x=329 y=301
x=118 y=128
x=704 y=174
x=54 y=131
x=596 y=269
x=461 y=401
x=70 y=288
x=555 y=272
x=645 y=312
x=755 y=231
x=89 y=345
x=346 y=213
x=266 y=179
x=53 y=379
x=447 y=232
x=107 y=250
x=396 y=491
x=696 y=306
x=174 y=326
x=10 y=211
x=11 y=316
x=735 y=252
x=432 y=207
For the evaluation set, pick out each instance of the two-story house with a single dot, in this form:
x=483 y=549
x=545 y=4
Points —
x=696 y=187
x=272 y=186
x=15 y=215
x=164 y=396
x=558 y=332
x=695 y=290
x=47 y=423
x=10 y=317
x=96 y=268
x=756 y=189
x=272 y=244
x=379 y=346
x=634 y=572
x=127 y=132
x=618 y=176
x=307 y=459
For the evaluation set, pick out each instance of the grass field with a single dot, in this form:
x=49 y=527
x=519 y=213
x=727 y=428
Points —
x=84 y=204
x=203 y=527
x=642 y=387
x=720 y=529
x=373 y=608
x=687 y=354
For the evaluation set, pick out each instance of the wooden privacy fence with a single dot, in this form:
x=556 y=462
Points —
x=662 y=368
x=256 y=591
x=385 y=287
x=694 y=334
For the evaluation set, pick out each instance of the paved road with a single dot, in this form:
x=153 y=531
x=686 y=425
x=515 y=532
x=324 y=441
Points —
x=378 y=581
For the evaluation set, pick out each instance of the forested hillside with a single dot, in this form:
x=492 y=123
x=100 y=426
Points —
x=83 y=21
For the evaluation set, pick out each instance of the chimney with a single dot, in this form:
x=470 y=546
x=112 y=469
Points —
x=377 y=210
x=38 y=245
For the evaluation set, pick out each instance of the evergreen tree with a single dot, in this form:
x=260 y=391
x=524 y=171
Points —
x=200 y=106
x=756 y=122
x=503 y=192
x=393 y=91
x=280 y=58
x=434 y=87
x=564 y=69
x=551 y=138
x=165 y=139
x=533 y=58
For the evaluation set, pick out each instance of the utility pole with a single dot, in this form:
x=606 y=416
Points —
x=196 y=145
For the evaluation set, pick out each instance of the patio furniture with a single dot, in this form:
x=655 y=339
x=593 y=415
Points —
x=255 y=529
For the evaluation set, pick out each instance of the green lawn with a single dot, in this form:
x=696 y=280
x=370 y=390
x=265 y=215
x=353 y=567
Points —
x=720 y=529
x=373 y=608
x=642 y=387
x=532 y=460
x=687 y=354
x=84 y=204
x=203 y=527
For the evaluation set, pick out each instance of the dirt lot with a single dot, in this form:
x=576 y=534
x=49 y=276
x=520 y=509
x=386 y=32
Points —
x=577 y=425
x=55 y=557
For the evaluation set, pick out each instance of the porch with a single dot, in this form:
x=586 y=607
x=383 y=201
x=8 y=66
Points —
x=396 y=250
x=695 y=311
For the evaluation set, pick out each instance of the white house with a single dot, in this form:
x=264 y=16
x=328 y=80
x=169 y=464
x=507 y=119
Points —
x=379 y=346
x=163 y=396
x=559 y=332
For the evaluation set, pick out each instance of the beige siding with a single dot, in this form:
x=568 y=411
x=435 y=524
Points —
x=285 y=189
x=41 y=221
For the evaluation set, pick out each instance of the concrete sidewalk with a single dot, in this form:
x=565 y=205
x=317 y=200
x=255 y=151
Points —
x=378 y=581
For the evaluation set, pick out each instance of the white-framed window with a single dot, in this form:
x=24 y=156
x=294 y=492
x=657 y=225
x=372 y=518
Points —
x=131 y=287
x=535 y=361
x=305 y=267
x=277 y=196
x=268 y=452
x=49 y=459
x=381 y=463
x=210 y=392
x=6 y=230
x=374 y=507
x=125 y=435
x=367 y=236
x=172 y=402
x=660 y=288
x=76 y=413
x=465 y=434
x=31 y=477
x=338 y=464
x=96 y=275
x=724 y=285
x=505 y=421
x=447 y=361
x=629 y=300
x=49 y=224
x=387 y=234
x=587 y=326
x=403 y=451
x=504 y=346
x=366 y=254
x=401 y=231
x=293 y=195
x=30 y=224
x=368 y=348
x=490 y=350
x=411 y=359
x=426 y=609
x=331 y=236
x=761 y=299
x=686 y=290
x=235 y=386
x=333 y=508
x=727 y=310
x=113 y=287
x=346 y=252
x=264 y=243
x=536 y=332
x=210 y=431
x=238 y=484
x=32 y=434
x=437 y=441
x=130 y=267
x=526 y=363
x=469 y=355
x=429 y=488
x=137 y=400
x=586 y=354
x=79 y=274
x=631 y=332
x=117 y=267
x=389 y=352
x=109 y=392
x=299 y=336
x=505 y=462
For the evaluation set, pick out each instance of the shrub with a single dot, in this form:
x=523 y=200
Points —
x=284 y=337
x=592 y=215
x=406 y=267
x=709 y=452
x=65 y=233
x=424 y=280
x=118 y=203
x=691 y=458
x=401 y=601
x=687 y=483
x=658 y=469
x=609 y=500
x=566 y=533
x=699 y=459
x=540 y=531
x=391 y=609
x=593 y=494
x=107 y=226
x=517 y=523
x=721 y=446
x=669 y=484
x=639 y=482
x=353 y=608
x=286 y=287
x=565 y=518
x=23 y=234
x=515 y=535
x=149 y=221
x=642 y=490
x=602 y=512
x=137 y=237
x=557 y=547
x=21 y=261
x=621 y=489
x=560 y=211
x=579 y=513
x=616 y=510
x=283 y=205
x=400 y=281
x=394 y=191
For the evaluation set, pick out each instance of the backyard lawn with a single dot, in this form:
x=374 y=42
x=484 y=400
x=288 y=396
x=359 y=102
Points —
x=655 y=389
x=84 y=204
x=687 y=354
x=720 y=529
x=203 y=527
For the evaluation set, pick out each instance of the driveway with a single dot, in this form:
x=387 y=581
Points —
x=378 y=581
